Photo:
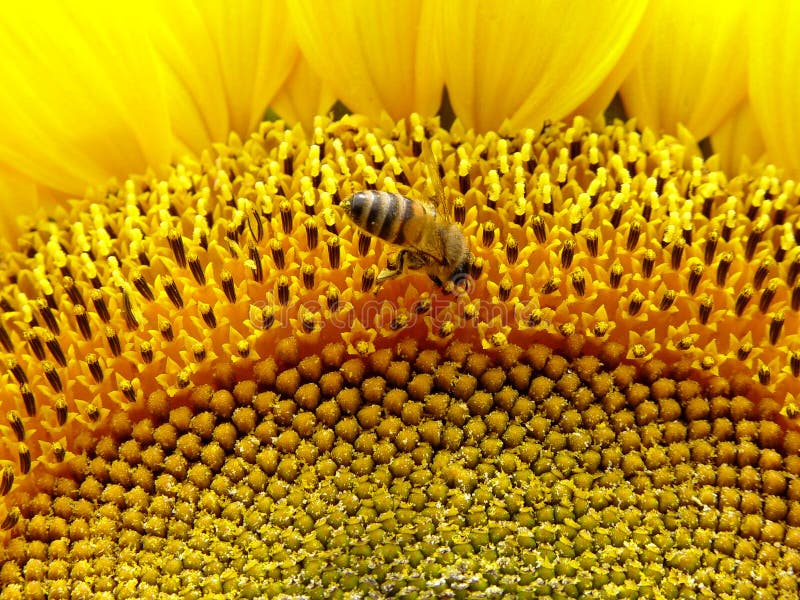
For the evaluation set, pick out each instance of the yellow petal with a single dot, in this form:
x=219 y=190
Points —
x=106 y=92
x=255 y=52
x=84 y=106
x=197 y=101
x=738 y=140
x=775 y=78
x=693 y=70
x=376 y=56
x=530 y=63
x=597 y=103
x=303 y=95
x=17 y=191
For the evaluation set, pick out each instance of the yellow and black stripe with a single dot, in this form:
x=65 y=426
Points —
x=383 y=214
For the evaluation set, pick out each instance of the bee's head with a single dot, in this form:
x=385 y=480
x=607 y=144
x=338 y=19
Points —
x=460 y=280
x=461 y=272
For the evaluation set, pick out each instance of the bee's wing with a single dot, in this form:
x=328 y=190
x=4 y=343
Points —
x=441 y=202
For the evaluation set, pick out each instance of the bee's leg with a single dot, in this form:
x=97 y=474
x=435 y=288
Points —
x=391 y=270
x=406 y=259
x=385 y=275
x=435 y=279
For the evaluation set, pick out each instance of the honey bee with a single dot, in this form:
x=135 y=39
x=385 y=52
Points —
x=429 y=238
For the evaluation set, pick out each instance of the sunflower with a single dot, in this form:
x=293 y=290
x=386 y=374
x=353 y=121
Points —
x=210 y=390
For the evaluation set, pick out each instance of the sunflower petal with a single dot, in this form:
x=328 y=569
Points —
x=738 y=140
x=303 y=95
x=82 y=109
x=221 y=65
x=255 y=51
x=103 y=93
x=375 y=56
x=774 y=79
x=692 y=71
x=18 y=190
x=493 y=73
x=190 y=74
x=598 y=102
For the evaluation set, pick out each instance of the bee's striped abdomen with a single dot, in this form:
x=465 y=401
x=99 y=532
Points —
x=381 y=214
